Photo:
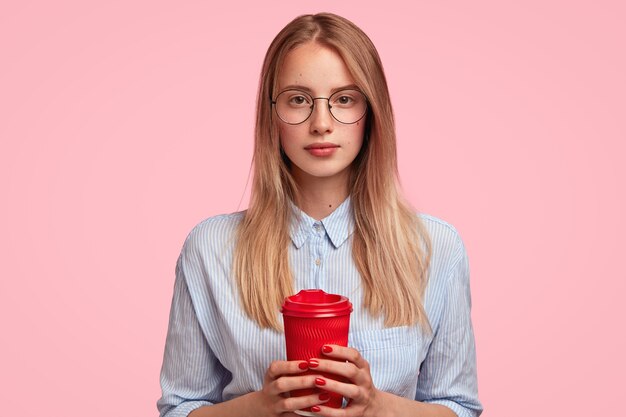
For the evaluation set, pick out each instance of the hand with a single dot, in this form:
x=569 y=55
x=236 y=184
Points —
x=280 y=378
x=364 y=400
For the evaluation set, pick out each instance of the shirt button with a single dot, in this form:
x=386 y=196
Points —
x=316 y=226
x=318 y=262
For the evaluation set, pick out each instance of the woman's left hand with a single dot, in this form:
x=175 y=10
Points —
x=364 y=400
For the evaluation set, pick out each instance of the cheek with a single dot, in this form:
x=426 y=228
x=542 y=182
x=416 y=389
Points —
x=281 y=131
x=283 y=136
x=288 y=133
x=360 y=126
x=357 y=136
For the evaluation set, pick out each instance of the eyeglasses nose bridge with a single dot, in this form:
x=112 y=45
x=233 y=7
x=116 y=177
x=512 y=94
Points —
x=322 y=98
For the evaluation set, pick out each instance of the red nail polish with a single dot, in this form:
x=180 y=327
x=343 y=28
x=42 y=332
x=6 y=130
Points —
x=327 y=349
x=320 y=381
x=316 y=409
x=313 y=363
x=324 y=396
x=303 y=365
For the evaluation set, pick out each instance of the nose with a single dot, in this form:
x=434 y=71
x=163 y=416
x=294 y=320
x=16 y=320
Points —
x=321 y=120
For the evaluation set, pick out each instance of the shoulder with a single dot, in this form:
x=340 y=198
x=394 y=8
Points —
x=214 y=232
x=447 y=247
x=441 y=232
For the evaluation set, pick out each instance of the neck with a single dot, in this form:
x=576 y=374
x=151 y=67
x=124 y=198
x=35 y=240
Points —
x=321 y=196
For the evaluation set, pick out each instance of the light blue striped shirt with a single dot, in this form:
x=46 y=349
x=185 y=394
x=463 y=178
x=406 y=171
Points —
x=214 y=352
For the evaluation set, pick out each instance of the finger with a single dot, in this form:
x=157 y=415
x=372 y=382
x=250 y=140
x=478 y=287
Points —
x=346 y=390
x=345 y=353
x=285 y=384
x=280 y=368
x=347 y=370
x=306 y=401
x=321 y=410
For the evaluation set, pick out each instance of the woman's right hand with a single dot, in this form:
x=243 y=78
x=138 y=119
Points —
x=280 y=378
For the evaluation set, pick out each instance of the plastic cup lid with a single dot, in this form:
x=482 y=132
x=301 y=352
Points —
x=316 y=303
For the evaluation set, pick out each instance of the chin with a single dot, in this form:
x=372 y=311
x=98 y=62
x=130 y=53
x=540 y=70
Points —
x=324 y=173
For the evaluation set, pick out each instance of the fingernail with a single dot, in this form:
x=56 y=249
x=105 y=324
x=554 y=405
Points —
x=316 y=409
x=324 y=396
x=313 y=363
x=320 y=381
x=303 y=365
x=327 y=349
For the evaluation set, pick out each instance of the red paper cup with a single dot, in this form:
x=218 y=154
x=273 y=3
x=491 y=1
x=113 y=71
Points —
x=313 y=319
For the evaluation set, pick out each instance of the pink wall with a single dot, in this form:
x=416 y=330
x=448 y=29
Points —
x=123 y=124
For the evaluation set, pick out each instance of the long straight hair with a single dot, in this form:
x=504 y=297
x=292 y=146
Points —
x=390 y=246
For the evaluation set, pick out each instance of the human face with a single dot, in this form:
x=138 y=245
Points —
x=320 y=147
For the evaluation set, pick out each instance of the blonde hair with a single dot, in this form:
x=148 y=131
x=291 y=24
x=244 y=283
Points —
x=391 y=248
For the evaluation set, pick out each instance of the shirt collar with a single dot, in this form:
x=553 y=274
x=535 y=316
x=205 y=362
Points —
x=338 y=225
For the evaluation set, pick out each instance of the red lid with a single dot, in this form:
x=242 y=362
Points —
x=316 y=303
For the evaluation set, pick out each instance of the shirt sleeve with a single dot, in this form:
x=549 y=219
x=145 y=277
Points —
x=191 y=375
x=448 y=373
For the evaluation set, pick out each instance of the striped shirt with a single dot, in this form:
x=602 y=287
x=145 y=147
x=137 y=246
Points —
x=214 y=352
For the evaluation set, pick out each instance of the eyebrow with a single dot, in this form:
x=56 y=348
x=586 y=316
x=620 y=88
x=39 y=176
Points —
x=308 y=90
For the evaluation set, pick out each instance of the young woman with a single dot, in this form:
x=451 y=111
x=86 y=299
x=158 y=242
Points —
x=326 y=213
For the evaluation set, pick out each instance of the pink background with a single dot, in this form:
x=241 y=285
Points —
x=124 y=123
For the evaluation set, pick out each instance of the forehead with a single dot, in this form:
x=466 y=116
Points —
x=315 y=67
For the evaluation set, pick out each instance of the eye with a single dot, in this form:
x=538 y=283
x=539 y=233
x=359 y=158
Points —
x=346 y=98
x=296 y=99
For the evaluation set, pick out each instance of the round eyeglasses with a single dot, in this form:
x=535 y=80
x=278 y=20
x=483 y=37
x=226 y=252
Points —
x=296 y=106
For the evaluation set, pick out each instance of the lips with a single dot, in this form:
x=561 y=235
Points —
x=324 y=145
x=321 y=149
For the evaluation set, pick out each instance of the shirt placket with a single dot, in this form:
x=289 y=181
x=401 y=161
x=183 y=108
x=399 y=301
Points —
x=318 y=254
